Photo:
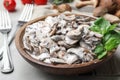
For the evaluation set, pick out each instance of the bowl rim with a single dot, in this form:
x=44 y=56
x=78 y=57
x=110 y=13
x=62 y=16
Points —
x=25 y=55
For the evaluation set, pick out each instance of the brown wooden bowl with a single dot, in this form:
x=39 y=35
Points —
x=63 y=69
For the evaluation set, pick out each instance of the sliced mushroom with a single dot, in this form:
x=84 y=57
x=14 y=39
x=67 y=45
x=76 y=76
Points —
x=43 y=50
x=47 y=42
x=87 y=58
x=70 y=17
x=70 y=41
x=43 y=56
x=27 y=45
x=74 y=34
x=61 y=54
x=47 y=61
x=51 y=20
x=36 y=51
x=57 y=60
x=84 y=45
x=78 y=51
x=70 y=58
x=62 y=23
x=53 y=31
x=63 y=43
x=57 y=38
x=83 y=54
x=53 y=49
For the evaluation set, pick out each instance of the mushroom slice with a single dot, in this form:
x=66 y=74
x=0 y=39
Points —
x=53 y=49
x=78 y=51
x=57 y=60
x=51 y=20
x=70 y=18
x=86 y=30
x=84 y=45
x=62 y=23
x=84 y=54
x=47 y=61
x=80 y=28
x=36 y=50
x=98 y=35
x=70 y=41
x=47 y=42
x=63 y=43
x=62 y=48
x=57 y=38
x=43 y=50
x=43 y=56
x=88 y=57
x=61 y=54
x=74 y=24
x=74 y=34
x=26 y=43
x=70 y=58
x=53 y=31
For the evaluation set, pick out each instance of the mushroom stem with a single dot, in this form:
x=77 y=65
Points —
x=86 y=2
x=83 y=3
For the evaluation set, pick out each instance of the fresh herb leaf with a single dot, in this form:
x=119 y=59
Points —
x=112 y=27
x=95 y=28
x=103 y=54
x=111 y=36
x=58 y=2
x=106 y=37
x=101 y=26
x=112 y=42
x=99 y=48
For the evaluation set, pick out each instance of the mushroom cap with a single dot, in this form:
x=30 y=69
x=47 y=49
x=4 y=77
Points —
x=64 y=7
x=99 y=11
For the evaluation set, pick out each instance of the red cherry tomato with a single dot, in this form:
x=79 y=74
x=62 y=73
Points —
x=10 y=5
x=40 y=2
x=27 y=1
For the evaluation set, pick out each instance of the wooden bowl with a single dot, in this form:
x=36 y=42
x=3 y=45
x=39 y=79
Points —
x=63 y=69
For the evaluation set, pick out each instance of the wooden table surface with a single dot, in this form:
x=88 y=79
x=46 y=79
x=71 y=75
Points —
x=24 y=71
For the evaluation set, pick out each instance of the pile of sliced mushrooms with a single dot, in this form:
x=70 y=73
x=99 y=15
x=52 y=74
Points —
x=63 y=39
